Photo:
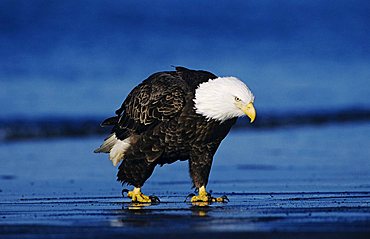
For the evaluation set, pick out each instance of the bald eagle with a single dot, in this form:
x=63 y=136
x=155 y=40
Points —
x=174 y=115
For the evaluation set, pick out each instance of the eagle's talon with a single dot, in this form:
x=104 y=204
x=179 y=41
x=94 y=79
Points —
x=206 y=197
x=124 y=191
x=201 y=198
x=223 y=199
x=154 y=199
x=189 y=196
x=138 y=197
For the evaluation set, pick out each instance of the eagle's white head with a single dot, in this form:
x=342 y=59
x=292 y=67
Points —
x=224 y=98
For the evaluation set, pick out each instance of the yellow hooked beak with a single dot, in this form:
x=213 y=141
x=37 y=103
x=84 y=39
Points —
x=249 y=111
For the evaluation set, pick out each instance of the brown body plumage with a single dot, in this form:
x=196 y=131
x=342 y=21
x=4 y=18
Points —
x=160 y=117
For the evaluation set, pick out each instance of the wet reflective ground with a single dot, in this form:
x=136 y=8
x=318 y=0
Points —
x=283 y=183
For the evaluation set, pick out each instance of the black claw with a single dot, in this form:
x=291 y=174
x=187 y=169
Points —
x=225 y=198
x=189 y=196
x=124 y=191
x=154 y=199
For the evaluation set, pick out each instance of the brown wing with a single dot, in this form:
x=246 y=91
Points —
x=157 y=99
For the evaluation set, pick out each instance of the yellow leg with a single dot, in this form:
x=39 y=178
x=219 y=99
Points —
x=204 y=196
x=137 y=196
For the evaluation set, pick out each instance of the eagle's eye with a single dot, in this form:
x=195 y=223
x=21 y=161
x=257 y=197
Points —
x=237 y=99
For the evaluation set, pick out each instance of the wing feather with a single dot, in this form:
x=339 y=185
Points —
x=157 y=99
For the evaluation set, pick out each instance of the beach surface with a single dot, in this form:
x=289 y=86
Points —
x=282 y=183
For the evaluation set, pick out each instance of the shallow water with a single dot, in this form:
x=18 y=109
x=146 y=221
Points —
x=311 y=179
x=306 y=155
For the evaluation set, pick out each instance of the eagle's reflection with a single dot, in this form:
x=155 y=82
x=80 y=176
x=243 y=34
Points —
x=148 y=214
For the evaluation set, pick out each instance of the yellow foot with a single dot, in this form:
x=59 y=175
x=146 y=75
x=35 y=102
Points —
x=209 y=198
x=201 y=198
x=138 y=197
x=204 y=196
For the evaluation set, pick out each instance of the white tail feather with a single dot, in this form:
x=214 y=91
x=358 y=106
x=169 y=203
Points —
x=115 y=147
x=107 y=145
x=117 y=153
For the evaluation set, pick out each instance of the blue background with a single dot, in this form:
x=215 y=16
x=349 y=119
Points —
x=81 y=58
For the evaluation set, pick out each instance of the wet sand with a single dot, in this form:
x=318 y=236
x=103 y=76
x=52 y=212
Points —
x=286 y=183
x=331 y=213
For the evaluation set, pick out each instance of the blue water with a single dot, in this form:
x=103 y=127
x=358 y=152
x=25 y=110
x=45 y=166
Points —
x=81 y=58
x=313 y=159
x=63 y=61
